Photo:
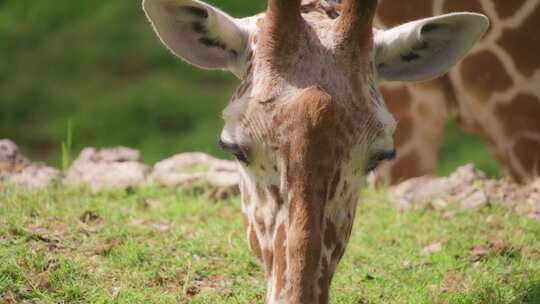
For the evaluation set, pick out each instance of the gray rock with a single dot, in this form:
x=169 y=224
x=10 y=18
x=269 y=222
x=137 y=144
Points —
x=11 y=159
x=220 y=178
x=181 y=170
x=466 y=186
x=15 y=169
x=35 y=176
x=468 y=189
x=420 y=190
x=474 y=201
x=467 y=174
x=111 y=155
x=115 y=168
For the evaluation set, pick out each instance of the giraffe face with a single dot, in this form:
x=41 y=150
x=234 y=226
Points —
x=314 y=96
x=305 y=134
x=307 y=122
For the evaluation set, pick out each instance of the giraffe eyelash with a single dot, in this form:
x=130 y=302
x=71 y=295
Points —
x=235 y=150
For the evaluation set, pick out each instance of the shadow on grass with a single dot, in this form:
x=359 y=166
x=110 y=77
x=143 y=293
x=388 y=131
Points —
x=532 y=294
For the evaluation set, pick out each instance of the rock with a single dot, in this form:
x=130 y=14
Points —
x=468 y=189
x=18 y=171
x=474 y=201
x=35 y=176
x=467 y=174
x=433 y=248
x=181 y=170
x=111 y=155
x=220 y=178
x=439 y=204
x=420 y=190
x=11 y=159
x=119 y=168
x=535 y=185
x=467 y=185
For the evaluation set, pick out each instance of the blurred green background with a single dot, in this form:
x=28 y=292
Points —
x=98 y=63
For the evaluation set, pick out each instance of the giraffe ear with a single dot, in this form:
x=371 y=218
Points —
x=427 y=48
x=199 y=33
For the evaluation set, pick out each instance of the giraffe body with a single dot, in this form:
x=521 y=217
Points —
x=494 y=92
x=307 y=122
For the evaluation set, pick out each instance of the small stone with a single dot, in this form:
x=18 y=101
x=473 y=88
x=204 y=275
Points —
x=421 y=190
x=467 y=174
x=110 y=155
x=115 y=168
x=181 y=170
x=35 y=176
x=477 y=253
x=439 y=204
x=11 y=159
x=219 y=178
x=474 y=201
x=433 y=248
x=448 y=215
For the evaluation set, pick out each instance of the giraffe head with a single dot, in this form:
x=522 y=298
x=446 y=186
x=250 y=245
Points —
x=307 y=122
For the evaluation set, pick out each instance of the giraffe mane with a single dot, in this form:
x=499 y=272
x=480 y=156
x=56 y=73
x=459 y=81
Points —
x=332 y=8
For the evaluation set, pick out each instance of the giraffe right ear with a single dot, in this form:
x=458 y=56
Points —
x=426 y=48
x=199 y=33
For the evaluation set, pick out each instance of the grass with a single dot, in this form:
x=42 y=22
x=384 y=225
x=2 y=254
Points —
x=67 y=147
x=66 y=245
x=460 y=148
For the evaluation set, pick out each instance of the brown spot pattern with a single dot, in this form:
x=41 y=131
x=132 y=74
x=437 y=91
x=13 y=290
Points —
x=520 y=115
x=523 y=44
x=324 y=282
x=392 y=12
x=246 y=199
x=506 y=9
x=330 y=234
x=245 y=220
x=483 y=73
x=406 y=167
x=339 y=250
x=254 y=244
x=280 y=260
x=269 y=261
x=398 y=100
x=404 y=131
x=276 y=195
x=334 y=185
x=425 y=111
x=528 y=152
x=452 y=6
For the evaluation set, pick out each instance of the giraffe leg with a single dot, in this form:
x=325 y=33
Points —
x=422 y=113
x=512 y=134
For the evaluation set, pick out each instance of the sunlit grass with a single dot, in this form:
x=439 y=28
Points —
x=166 y=246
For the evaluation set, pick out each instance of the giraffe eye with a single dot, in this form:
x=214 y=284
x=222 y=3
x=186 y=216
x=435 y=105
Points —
x=235 y=150
x=378 y=157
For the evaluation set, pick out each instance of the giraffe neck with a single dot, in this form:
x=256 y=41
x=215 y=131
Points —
x=297 y=236
x=493 y=92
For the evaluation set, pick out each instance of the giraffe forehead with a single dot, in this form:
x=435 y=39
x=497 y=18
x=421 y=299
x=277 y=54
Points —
x=280 y=110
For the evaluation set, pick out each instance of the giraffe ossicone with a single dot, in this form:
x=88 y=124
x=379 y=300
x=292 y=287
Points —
x=307 y=122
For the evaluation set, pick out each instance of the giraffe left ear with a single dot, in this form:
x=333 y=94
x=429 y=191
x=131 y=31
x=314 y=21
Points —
x=199 y=33
x=427 y=48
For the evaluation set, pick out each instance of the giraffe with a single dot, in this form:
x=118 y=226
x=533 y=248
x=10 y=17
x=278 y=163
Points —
x=307 y=122
x=494 y=92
